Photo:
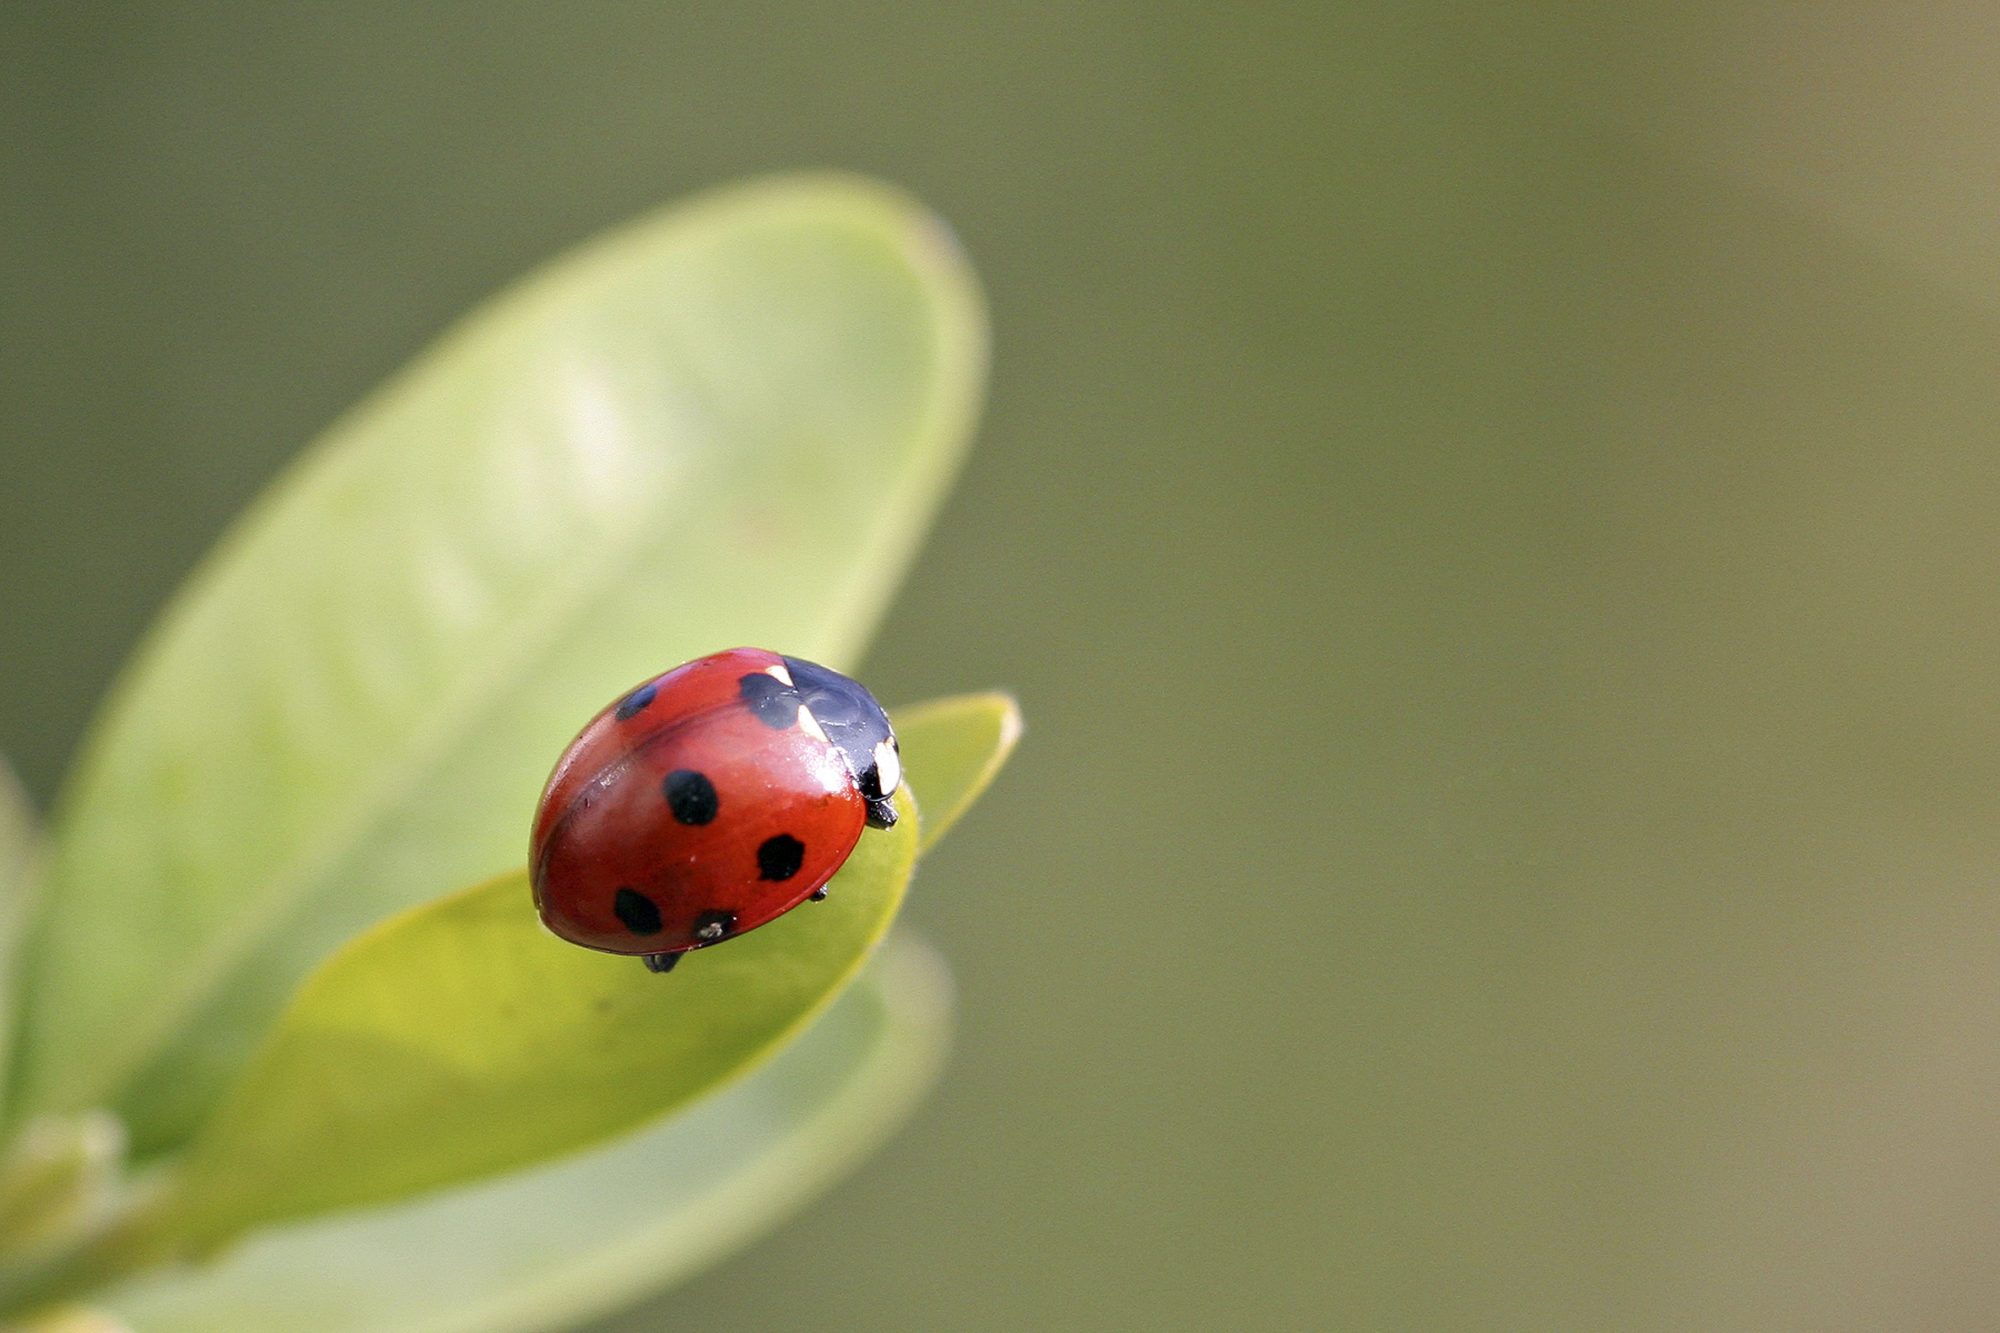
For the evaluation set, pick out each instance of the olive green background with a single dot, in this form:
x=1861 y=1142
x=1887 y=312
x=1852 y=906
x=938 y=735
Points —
x=1489 y=510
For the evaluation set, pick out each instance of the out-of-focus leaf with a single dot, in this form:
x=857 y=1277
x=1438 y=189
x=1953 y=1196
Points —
x=461 y=1039
x=726 y=424
x=55 y=1178
x=72 y=1319
x=952 y=749
x=19 y=836
x=20 y=847
x=545 y=1247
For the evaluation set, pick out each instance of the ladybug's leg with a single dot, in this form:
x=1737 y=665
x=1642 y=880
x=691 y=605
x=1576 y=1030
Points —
x=661 y=962
x=881 y=812
x=819 y=894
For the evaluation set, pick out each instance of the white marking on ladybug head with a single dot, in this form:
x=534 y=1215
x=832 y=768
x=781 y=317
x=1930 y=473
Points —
x=810 y=725
x=777 y=669
x=888 y=768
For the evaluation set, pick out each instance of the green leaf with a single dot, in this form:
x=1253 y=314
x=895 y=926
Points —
x=56 y=1178
x=19 y=837
x=461 y=1040
x=952 y=749
x=560 y=1243
x=20 y=850
x=72 y=1319
x=726 y=424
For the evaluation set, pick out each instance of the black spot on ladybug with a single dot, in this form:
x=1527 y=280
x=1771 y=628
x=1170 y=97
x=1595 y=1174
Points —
x=635 y=703
x=780 y=857
x=637 y=911
x=775 y=703
x=712 y=926
x=690 y=795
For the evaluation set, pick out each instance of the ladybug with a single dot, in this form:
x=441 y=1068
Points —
x=708 y=801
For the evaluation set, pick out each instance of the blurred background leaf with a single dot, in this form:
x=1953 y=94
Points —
x=19 y=833
x=726 y=424
x=57 y=1177
x=75 y=1319
x=20 y=851
x=541 y=1247
x=1488 y=509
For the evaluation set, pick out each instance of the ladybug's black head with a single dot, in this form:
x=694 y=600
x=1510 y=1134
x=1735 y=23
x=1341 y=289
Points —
x=856 y=726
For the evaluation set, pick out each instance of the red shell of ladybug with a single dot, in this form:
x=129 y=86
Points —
x=708 y=801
